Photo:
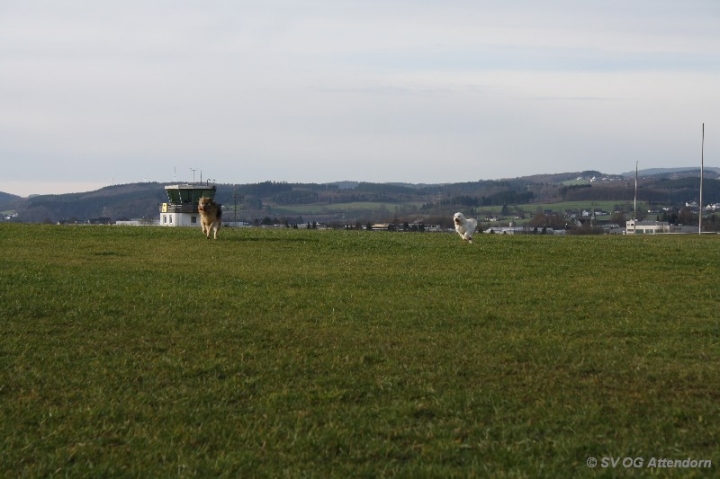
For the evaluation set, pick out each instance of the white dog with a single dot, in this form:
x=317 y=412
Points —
x=464 y=226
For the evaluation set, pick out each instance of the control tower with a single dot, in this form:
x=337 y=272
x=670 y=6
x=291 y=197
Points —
x=182 y=206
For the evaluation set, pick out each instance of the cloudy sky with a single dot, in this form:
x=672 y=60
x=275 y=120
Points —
x=424 y=91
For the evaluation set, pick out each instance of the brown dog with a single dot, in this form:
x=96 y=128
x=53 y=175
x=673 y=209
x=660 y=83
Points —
x=210 y=216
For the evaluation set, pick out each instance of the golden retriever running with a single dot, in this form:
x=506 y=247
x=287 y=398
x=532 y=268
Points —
x=210 y=216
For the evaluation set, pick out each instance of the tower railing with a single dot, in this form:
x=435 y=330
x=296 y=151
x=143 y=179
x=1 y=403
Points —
x=183 y=208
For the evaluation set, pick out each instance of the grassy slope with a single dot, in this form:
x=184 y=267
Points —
x=355 y=207
x=153 y=352
x=370 y=208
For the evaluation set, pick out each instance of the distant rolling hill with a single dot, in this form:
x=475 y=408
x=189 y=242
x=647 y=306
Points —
x=338 y=201
x=6 y=198
x=135 y=200
x=673 y=173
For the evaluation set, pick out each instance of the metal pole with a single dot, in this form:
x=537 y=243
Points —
x=702 y=168
x=635 y=199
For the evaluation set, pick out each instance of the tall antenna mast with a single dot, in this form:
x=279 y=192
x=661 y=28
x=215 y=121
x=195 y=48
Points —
x=702 y=168
x=635 y=199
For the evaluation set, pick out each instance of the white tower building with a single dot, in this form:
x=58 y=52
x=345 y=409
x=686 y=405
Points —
x=182 y=206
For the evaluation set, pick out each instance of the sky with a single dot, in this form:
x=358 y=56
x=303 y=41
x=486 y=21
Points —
x=424 y=91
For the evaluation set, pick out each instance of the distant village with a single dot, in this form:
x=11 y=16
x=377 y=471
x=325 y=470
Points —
x=582 y=221
x=559 y=204
x=179 y=212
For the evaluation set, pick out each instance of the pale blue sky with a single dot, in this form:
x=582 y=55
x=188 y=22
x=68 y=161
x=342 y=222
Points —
x=98 y=93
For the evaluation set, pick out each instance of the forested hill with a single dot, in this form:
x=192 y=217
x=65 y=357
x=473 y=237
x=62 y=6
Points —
x=135 y=200
x=6 y=198
x=141 y=200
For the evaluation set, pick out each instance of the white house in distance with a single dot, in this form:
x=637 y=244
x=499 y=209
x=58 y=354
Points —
x=182 y=206
x=633 y=227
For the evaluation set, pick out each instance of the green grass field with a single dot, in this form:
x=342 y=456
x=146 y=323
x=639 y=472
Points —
x=152 y=352
x=608 y=206
x=369 y=208
x=354 y=208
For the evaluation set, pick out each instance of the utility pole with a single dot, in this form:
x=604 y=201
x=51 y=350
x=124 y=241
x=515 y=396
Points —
x=635 y=200
x=702 y=163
